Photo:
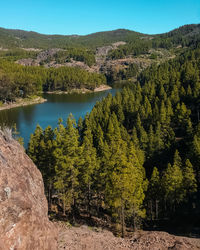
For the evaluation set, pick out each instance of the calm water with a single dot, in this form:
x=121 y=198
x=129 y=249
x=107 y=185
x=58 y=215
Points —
x=57 y=106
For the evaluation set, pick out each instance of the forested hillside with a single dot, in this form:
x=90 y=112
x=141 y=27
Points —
x=135 y=159
x=53 y=62
x=185 y=36
x=28 y=39
x=22 y=81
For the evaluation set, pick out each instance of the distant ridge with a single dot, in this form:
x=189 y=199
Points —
x=19 y=38
x=15 y=38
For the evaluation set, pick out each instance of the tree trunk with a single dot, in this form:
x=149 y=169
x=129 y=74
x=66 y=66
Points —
x=73 y=211
x=88 y=205
x=157 y=209
x=50 y=195
x=134 y=222
x=64 y=207
x=122 y=220
x=151 y=210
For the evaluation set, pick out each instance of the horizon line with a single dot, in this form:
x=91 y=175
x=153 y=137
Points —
x=56 y=34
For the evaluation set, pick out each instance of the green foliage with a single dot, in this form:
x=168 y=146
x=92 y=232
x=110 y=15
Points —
x=142 y=45
x=20 y=38
x=16 y=54
x=134 y=48
x=82 y=55
x=189 y=180
x=102 y=164
x=21 y=81
x=67 y=159
x=172 y=183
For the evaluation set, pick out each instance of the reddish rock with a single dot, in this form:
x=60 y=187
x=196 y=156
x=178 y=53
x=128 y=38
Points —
x=24 y=221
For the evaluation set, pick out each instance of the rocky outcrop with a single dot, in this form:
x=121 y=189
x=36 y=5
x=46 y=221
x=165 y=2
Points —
x=103 y=51
x=44 y=55
x=24 y=223
x=27 y=62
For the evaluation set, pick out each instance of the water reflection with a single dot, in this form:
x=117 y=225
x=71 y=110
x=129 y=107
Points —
x=28 y=113
x=10 y=117
x=58 y=106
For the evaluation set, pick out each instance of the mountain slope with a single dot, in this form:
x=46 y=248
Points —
x=18 y=38
x=11 y=38
x=185 y=30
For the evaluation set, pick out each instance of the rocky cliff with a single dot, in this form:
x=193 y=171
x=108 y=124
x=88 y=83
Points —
x=24 y=222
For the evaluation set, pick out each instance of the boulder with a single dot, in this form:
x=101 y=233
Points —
x=24 y=222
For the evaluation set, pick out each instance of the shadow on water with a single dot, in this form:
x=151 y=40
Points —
x=9 y=117
x=57 y=106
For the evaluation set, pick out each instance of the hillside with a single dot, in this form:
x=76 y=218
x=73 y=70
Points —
x=183 y=31
x=24 y=221
x=11 y=38
x=72 y=62
x=27 y=39
x=133 y=163
x=144 y=141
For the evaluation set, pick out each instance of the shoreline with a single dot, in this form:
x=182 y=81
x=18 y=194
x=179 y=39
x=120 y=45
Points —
x=80 y=91
x=23 y=102
x=102 y=88
x=38 y=100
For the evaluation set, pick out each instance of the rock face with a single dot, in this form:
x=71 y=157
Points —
x=24 y=222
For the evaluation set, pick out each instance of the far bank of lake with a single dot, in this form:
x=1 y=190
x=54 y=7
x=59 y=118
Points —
x=57 y=106
x=23 y=102
x=37 y=99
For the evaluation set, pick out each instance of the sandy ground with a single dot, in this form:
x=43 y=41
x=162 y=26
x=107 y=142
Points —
x=81 y=91
x=102 y=88
x=22 y=102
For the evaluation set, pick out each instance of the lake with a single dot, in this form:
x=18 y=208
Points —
x=57 y=106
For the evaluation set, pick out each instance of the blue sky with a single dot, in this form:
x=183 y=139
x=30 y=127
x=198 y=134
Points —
x=84 y=17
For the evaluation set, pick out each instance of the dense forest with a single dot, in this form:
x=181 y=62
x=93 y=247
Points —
x=28 y=39
x=135 y=159
x=52 y=72
x=185 y=36
x=21 y=81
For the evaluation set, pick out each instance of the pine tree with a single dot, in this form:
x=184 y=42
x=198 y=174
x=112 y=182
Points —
x=80 y=125
x=47 y=161
x=173 y=185
x=189 y=180
x=67 y=159
x=151 y=146
x=125 y=186
x=154 y=192
x=163 y=113
x=177 y=159
x=33 y=150
x=135 y=137
x=195 y=152
x=139 y=183
x=88 y=168
x=159 y=144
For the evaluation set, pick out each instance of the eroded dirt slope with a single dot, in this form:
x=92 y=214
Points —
x=85 y=238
